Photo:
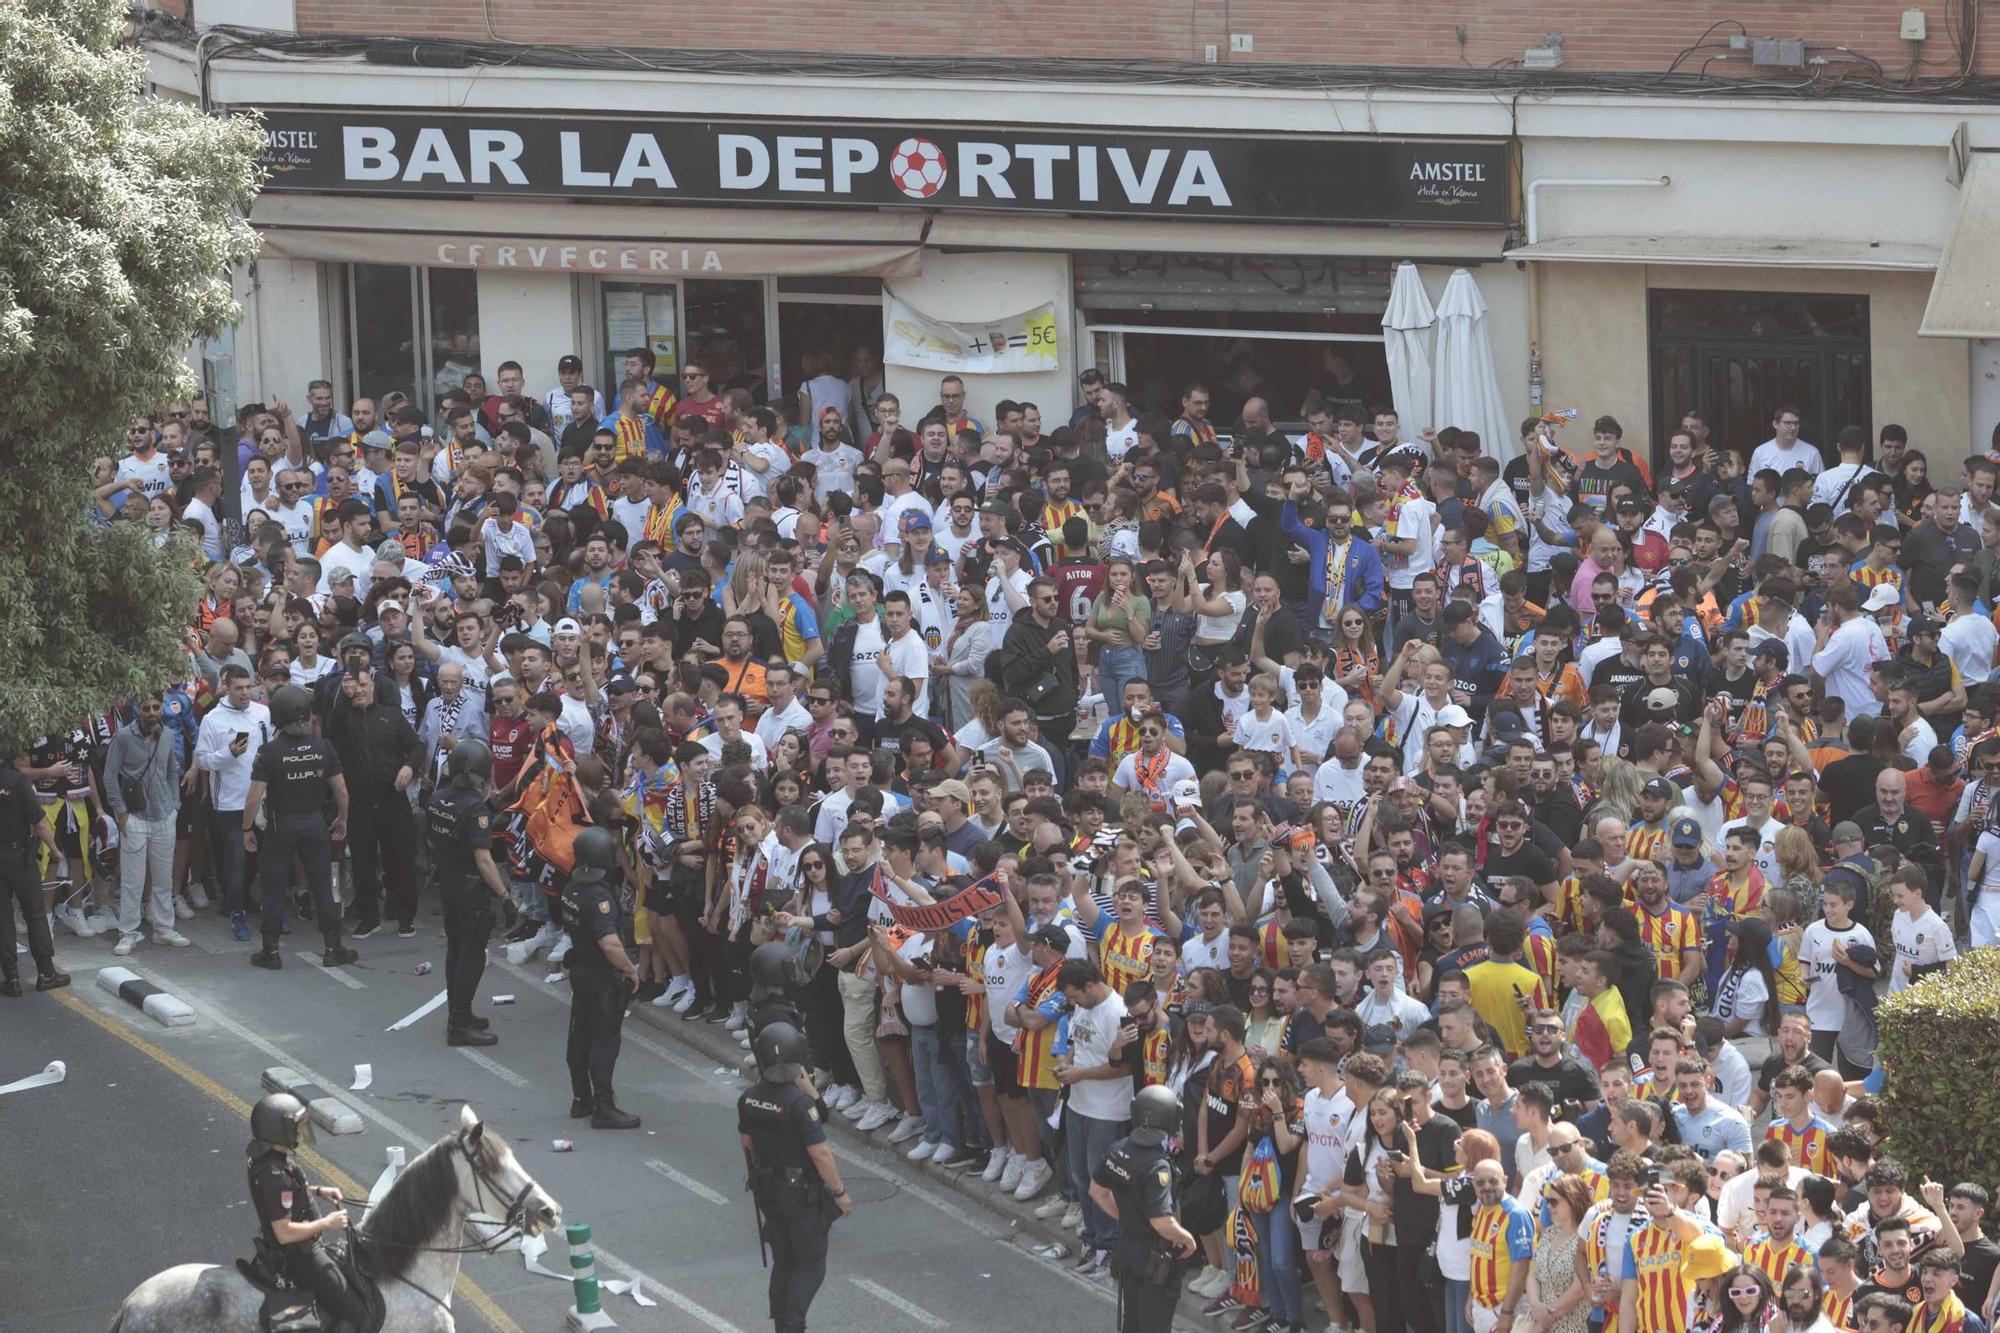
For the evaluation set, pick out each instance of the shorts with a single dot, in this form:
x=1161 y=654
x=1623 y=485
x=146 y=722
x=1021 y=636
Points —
x=660 y=896
x=976 y=1071
x=1352 y=1272
x=1006 y=1067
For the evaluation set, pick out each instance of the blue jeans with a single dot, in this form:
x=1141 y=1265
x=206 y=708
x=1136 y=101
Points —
x=941 y=1089
x=225 y=841
x=1456 y=1294
x=1089 y=1142
x=1278 y=1263
x=1115 y=666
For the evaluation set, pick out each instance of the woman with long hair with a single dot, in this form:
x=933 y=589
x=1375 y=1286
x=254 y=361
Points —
x=218 y=596
x=961 y=661
x=1120 y=617
x=1746 y=999
x=1912 y=486
x=1798 y=869
x=1276 y=1109
x=1261 y=1020
x=307 y=665
x=413 y=692
x=1368 y=1195
x=984 y=703
x=820 y=1003
x=1218 y=608
x=1747 y=1303
x=1455 y=1208
x=1356 y=657
x=1617 y=792
x=1557 y=1298
x=745 y=585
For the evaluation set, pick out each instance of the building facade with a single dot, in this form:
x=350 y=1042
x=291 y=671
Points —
x=1025 y=193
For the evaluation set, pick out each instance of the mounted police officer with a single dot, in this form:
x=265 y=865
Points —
x=298 y=773
x=601 y=979
x=793 y=1176
x=459 y=825
x=1137 y=1180
x=291 y=1242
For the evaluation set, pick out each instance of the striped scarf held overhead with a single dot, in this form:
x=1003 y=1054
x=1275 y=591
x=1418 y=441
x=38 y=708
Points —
x=448 y=714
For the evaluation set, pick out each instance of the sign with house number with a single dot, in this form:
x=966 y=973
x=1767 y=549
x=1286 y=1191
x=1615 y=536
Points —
x=1017 y=345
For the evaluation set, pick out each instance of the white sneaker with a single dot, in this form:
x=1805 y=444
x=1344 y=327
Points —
x=662 y=1000
x=996 y=1165
x=743 y=1039
x=559 y=951
x=739 y=1016
x=857 y=1106
x=686 y=1000
x=1072 y=1218
x=197 y=895
x=1033 y=1180
x=1212 y=1283
x=1010 y=1179
x=834 y=1095
x=520 y=951
x=103 y=923
x=877 y=1115
x=923 y=1152
x=907 y=1128
x=679 y=989
x=125 y=945
x=73 y=921
x=174 y=938
x=1052 y=1207
x=183 y=912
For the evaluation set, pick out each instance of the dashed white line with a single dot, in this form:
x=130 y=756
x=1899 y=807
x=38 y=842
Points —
x=337 y=974
x=687 y=1182
x=892 y=1300
x=494 y=1067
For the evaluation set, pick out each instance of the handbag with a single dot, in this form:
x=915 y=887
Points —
x=133 y=790
x=1258 y=1188
x=1203 y=1208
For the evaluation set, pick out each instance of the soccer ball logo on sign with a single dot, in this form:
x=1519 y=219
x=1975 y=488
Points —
x=918 y=168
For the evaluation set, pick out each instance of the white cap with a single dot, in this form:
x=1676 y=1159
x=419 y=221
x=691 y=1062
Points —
x=1884 y=597
x=568 y=626
x=1187 y=792
x=1451 y=715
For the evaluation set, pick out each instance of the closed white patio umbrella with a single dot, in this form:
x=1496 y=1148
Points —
x=1466 y=389
x=1406 y=329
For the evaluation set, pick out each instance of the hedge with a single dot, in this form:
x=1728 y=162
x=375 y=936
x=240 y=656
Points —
x=1940 y=1042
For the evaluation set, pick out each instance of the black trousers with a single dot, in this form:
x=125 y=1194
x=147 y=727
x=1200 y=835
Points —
x=596 y=1024
x=312 y=1267
x=468 y=925
x=304 y=838
x=1423 y=1306
x=797 y=1235
x=21 y=883
x=382 y=838
x=1384 y=1267
x=1147 y=1307
x=820 y=1007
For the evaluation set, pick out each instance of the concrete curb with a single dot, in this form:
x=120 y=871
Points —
x=143 y=995
x=328 y=1111
x=717 y=1043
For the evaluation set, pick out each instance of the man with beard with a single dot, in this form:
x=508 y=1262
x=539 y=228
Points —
x=144 y=761
x=1802 y=1293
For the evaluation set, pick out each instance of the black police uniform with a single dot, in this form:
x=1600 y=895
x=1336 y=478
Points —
x=783 y=1121
x=297 y=773
x=278 y=1192
x=775 y=1007
x=598 y=992
x=20 y=881
x=459 y=823
x=1143 y=1181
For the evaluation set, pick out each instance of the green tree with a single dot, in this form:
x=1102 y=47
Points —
x=1940 y=1042
x=120 y=219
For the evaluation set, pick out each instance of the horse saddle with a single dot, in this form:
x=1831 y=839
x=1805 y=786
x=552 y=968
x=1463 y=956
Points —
x=289 y=1308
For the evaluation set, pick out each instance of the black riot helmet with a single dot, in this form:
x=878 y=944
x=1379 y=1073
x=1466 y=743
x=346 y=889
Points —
x=291 y=711
x=279 y=1120
x=1156 y=1113
x=771 y=967
x=781 y=1049
x=470 y=765
x=596 y=852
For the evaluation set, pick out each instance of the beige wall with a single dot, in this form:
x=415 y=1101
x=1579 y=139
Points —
x=1594 y=354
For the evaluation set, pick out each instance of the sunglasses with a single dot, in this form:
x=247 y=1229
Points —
x=812 y=865
x=1746 y=1291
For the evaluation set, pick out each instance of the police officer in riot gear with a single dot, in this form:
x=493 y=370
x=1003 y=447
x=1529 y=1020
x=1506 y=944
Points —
x=601 y=979
x=1137 y=1181
x=459 y=826
x=298 y=774
x=291 y=1240
x=23 y=823
x=793 y=1177
x=772 y=972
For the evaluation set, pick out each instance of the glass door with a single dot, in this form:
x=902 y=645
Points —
x=726 y=334
x=413 y=331
x=640 y=314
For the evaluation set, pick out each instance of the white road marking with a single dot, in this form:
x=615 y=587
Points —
x=891 y=1299
x=605 y=1257
x=338 y=974
x=493 y=1067
x=687 y=1182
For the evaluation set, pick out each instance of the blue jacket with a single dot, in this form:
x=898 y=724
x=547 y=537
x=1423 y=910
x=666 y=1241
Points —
x=1364 y=564
x=1476 y=667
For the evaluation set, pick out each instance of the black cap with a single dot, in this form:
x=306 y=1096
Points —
x=1055 y=936
x=410 y=416
x=570 y=362
x=357 y=639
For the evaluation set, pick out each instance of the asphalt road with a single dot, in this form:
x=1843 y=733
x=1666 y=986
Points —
x=135 y=1162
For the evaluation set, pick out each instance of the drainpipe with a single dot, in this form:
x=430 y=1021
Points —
x=1534 y=235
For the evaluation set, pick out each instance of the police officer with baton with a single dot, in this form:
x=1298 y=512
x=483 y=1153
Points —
x=459 y=825
x=793 y=1177
x=1137 y=1180
x=298 y=773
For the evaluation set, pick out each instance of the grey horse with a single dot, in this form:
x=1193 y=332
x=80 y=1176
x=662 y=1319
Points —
x=468 y=1177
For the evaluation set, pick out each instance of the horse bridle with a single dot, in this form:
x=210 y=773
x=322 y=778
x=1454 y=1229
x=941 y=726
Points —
x=513 y=1222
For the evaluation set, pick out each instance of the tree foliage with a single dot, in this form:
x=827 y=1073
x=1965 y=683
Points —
x=120 y=219
x=1940 y=1041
